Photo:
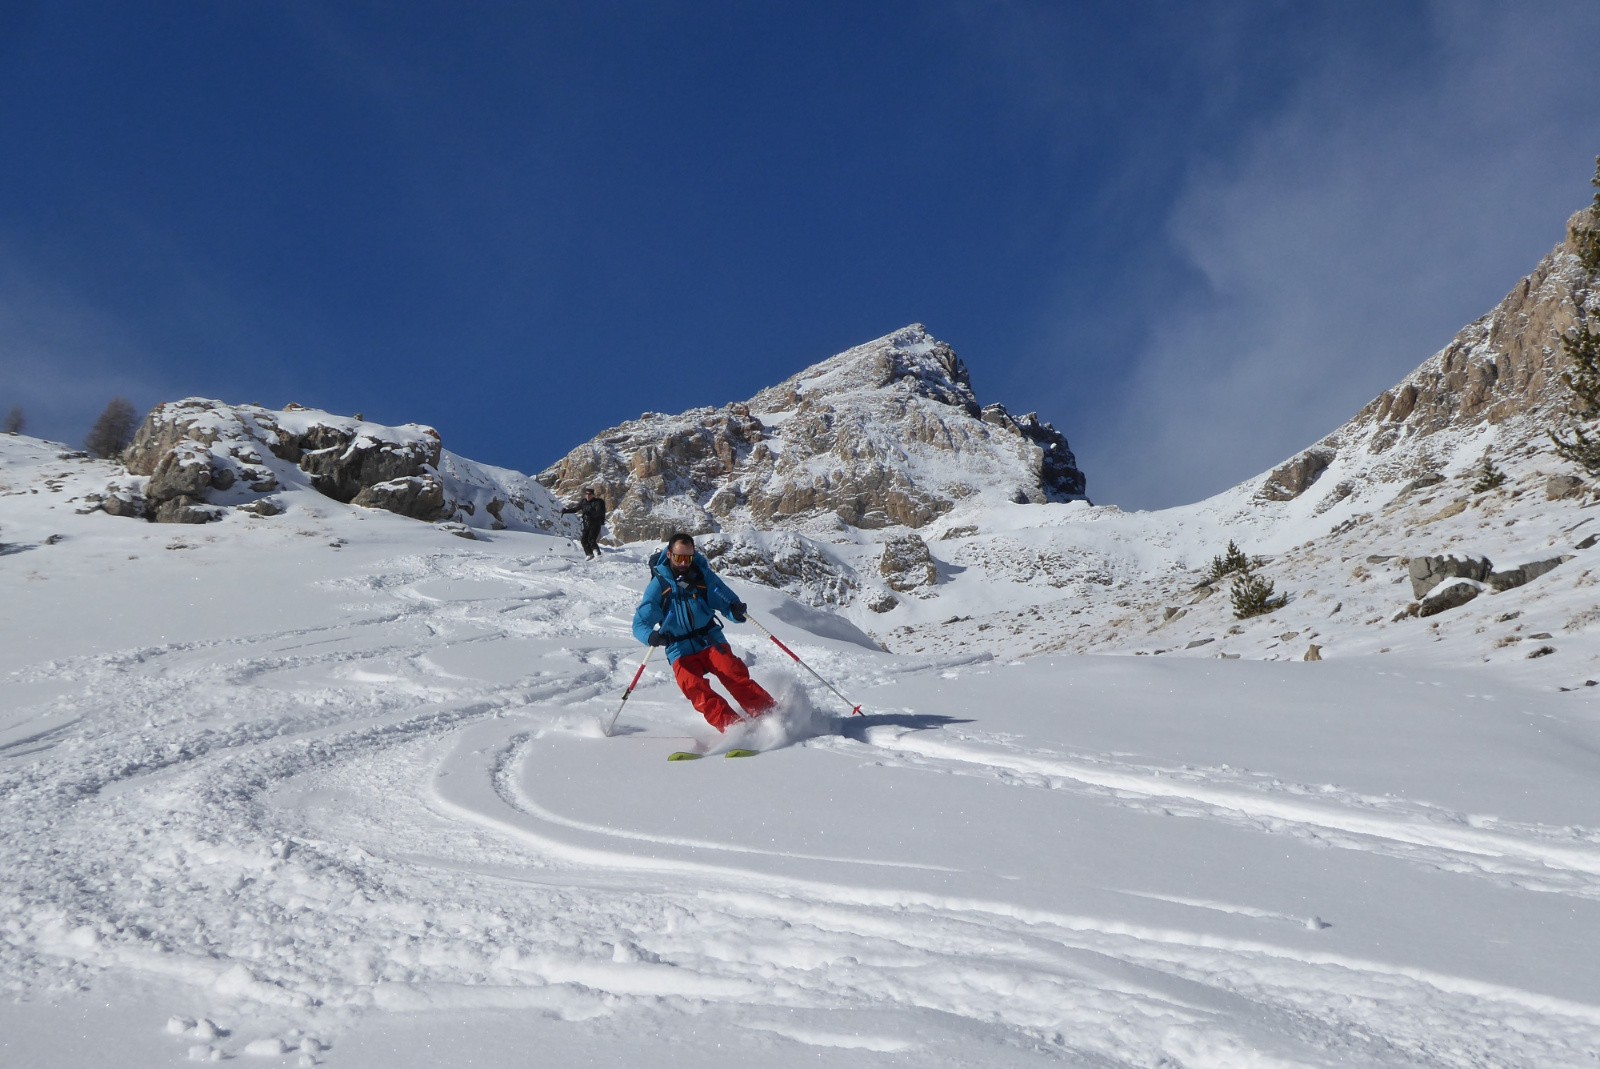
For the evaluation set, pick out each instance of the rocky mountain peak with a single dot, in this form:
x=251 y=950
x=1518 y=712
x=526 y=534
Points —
x=889 y=433
x=910 y=360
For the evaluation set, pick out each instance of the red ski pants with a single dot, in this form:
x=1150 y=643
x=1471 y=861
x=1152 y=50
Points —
x=691 y=672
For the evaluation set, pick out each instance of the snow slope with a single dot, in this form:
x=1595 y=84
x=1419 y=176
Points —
x=329 y=788
x=1042 y=578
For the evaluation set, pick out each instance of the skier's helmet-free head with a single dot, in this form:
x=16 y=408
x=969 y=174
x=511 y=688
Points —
x=588 y=491
x=680 y=553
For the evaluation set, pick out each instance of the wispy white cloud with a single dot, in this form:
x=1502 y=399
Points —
x=61 y=359
x=1344 y=241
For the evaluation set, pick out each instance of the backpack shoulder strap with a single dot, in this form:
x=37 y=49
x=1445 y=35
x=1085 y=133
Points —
x=694 y=581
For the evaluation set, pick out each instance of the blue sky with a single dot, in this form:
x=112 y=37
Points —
x=1195 y=237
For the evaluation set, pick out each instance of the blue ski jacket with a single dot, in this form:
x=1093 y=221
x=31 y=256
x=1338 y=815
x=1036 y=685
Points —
x=685 y=609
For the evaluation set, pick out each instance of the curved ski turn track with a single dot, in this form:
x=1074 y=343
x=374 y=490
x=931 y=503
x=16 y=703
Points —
x=360 y=813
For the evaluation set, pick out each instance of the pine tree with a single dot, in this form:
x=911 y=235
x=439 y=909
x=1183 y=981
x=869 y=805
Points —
x=1232 y=560
x=1583 y=380
x=114 y=429
x=16 y=422
x=1490 y=477
x=1253 y=595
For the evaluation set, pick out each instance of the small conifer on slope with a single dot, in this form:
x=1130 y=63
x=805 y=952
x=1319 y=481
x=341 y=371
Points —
x=1578 y=445
x=1232 y=560
x=1253 y=595
x=1490 y=477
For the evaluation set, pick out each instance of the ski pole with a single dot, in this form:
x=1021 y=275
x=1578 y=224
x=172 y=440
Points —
x=636 y=676
x=855 y=710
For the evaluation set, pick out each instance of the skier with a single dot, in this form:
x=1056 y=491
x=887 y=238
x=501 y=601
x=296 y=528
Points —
x=593 y=512
x=678 y=611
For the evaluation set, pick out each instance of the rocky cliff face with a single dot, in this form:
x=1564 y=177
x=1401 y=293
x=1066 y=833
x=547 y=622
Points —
x=193 y=460
x=1503 y=369
x=888 y=433
x=1505 y=364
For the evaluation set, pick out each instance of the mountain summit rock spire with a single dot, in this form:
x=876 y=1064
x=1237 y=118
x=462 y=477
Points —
x=887 y=433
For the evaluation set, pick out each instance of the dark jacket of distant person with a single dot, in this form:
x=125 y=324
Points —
x=592 y=510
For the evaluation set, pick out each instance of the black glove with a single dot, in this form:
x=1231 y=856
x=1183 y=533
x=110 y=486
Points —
x=661 y=638
x=737 y=611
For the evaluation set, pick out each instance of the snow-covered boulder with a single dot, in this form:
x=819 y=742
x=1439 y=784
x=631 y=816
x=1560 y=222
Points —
x=1428 y=572
x=1450 y=595
x=1524 y=574
x=419 y=496
x=906 y=564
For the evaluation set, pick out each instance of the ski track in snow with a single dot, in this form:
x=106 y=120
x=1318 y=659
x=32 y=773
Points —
x=1527 y=856
x=374 y=837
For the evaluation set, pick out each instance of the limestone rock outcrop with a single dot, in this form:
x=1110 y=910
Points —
x=886 y=434
x=784 y=561
x=906 y=564
x=344 y=461
x=1429 y=572
x=193 y=460
x=420 y=497
x=1295 y=477
x=1507 y=363
x=199 y=454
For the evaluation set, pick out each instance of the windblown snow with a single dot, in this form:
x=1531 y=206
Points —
x=331 y=787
